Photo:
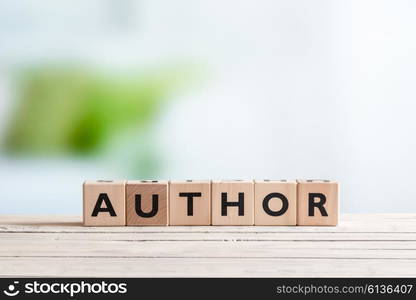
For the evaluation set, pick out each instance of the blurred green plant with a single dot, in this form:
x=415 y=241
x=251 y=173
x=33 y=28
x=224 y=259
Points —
x=74 y=111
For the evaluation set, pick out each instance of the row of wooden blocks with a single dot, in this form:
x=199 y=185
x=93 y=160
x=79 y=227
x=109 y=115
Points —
x=205 y=202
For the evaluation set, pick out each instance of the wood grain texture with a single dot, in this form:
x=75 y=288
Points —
x=231 y=189
x=114 y=191
x=60 y=246
x=147 y=190
x=307 y=188
x=201 y=205
x=262 y=189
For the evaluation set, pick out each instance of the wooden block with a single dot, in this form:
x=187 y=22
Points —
x=147 y=202
x=275 y=202
x=232 y=202
x=190 y=202
x=317 y=203
x=104 y=203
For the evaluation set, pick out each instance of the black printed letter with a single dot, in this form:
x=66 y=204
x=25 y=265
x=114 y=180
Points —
x=103 y=197
x=155 y=206
x=319 y=204
x=266 y=207
x=190 y=197
x=225 y=204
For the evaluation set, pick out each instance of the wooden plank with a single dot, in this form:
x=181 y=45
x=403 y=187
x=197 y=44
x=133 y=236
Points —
x=382 y=223
x=361 y=245
x=188 y=249
x=211 y=236
x=205 y=267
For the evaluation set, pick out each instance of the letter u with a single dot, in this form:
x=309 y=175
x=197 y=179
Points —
x=153 y=211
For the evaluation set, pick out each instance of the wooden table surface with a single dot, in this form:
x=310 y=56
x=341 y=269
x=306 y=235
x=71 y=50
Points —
x=382 y=245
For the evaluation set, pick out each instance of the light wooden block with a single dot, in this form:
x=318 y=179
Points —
x=234 y=192
x=104 y=203
x=317 y=203
x=147 y=202
x=190 y=202
x=275 y=202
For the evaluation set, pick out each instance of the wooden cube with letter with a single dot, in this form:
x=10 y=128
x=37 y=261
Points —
x=147 y=202
x=104 y=203
x=317 y=203
x=190 y=202
x=275 y=202
x=232 y=202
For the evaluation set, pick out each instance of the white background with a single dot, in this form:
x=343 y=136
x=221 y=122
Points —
x=294 y=89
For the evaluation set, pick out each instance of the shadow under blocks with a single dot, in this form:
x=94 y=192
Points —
x=204 y=202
